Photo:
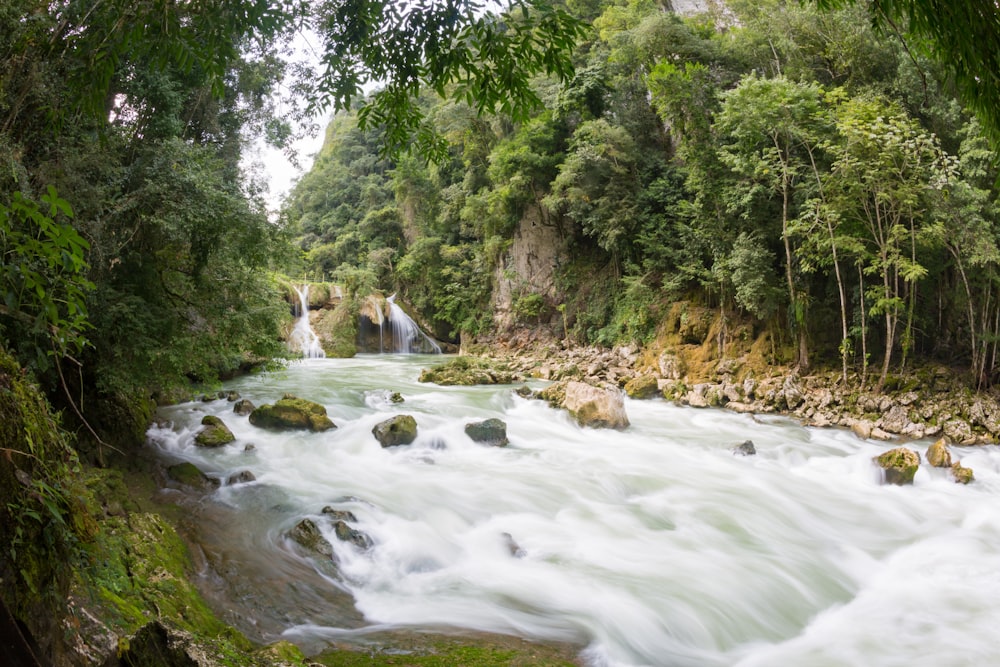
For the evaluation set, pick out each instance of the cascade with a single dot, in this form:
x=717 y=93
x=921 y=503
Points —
x=303 y=339
x=407 y=337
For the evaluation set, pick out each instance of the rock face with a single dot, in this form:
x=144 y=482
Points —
x=491 y=432
x=595 y=407
x=938 y=454
x=292 y=412
x=215 y=433
x=900 y=465
x=399 y=430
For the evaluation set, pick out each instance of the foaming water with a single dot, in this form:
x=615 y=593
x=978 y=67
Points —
x=652 y=546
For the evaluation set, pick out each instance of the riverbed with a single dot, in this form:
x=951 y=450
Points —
x=656 y=545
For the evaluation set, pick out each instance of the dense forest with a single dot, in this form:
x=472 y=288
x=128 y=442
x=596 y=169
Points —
x=821 y=174
x=794 y=167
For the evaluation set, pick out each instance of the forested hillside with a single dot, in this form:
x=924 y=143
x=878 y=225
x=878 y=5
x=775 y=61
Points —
x=784 y=166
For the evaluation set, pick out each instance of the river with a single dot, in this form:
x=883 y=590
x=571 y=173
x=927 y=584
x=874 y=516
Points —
x=651 y=546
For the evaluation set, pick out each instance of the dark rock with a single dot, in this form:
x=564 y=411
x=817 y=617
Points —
x=524 y=391
x=250 y=448
x=339 y=515
x=491 y=432
x=745 y=449
x=215 y=433
x=308 y=536
x=292 y=412
x=900 y=465
x=399 y=430
x=396 y=397
x=347 y=534
x=232 y=396
x=244 y=407
x=188 y=474
x=512 y=546
x=242 y=477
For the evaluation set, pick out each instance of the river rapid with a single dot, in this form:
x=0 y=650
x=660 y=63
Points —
x=656 y=545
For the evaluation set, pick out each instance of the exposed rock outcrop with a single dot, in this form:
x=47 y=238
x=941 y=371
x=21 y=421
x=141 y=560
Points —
x=470 y=371
x=292 y=412
x=595 y=406
x=215 y=433
x=398 y=430
x=899 y=465
x=491 y=432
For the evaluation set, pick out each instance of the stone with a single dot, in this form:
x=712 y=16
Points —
x=895 y=420
x=900 y=465
x=792 y=391
x=292 y=412
x=308 y=536
x=347 y=534
x=242 y=477
x=243 y=407
x=492 y=432
x=961 y=474
x=671 y=366
x=215 y=433
x=862 y=428
x=396 y=397
x=938 y=454
x=595 y=406
x=524 y=391
x=233 y=396
x=468 y=371
x=188 y=474
x=339 y=515
x=959 y=431
x=641 y=387
x=398 y=430
x=745 y=449
x=512 y=547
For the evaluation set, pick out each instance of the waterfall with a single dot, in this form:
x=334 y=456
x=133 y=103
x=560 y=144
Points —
x=407 y=337
x=303 y=339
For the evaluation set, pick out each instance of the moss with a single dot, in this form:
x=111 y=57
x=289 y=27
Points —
x=644 y=386
x=481 y=652
x=292 y=412
x=337 y=330
x=961 y=474
x=900 y=465
x=215 y=433
x=399 y=430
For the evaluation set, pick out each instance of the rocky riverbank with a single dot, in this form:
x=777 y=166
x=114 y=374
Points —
x=929 y=401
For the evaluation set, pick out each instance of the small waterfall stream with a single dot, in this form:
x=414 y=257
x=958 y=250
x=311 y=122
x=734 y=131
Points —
x=407 y=336
x=651 y=546
x=303 y=339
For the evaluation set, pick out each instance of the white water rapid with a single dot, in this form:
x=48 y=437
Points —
x=651 y=546
x=303 y=339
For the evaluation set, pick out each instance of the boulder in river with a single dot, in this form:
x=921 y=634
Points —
x=938 y=454
x=308 y=536
x=595 y=406
x=961 y=474
x=215 y=433
x=643 y=386
x=745 y=449
x=900 y=465
x=242 y=477
x=491 y=432
x=398 y=430
x=292 y=412
x=347 y=534
x=244 y=406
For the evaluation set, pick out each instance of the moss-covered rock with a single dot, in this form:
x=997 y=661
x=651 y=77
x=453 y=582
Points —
x=215 y=433
x=292 y=412
x=492 y=432
x=900 y=465
x=308 y=536
x=595 y=406
x=642 y=387
x=467 y=371
x=961 y=474
x=399 y=430
x=243 y=407
x=938 y=454
x=337 y=329
x=189 y=474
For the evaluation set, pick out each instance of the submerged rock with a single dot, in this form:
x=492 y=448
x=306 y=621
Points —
x=399 y=430
x=513 y=547
x=347 y=534
x=595 y=407
x=745 y=449
x=491 y=432
x=339 y=515
x=938 y=454
x=188 y=474
x=242 y=477
x=900 y=465
x=215 y=433
x=292 y=412
x=308 y=536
